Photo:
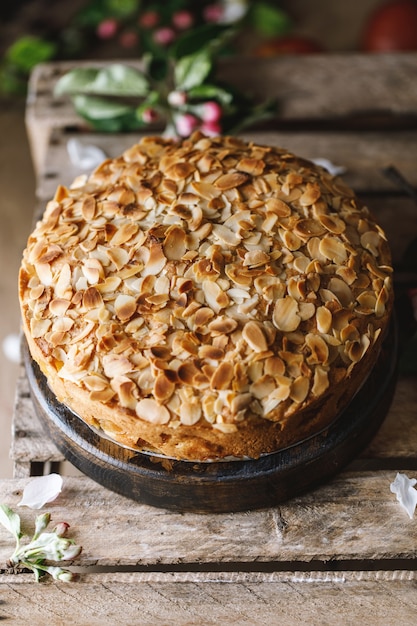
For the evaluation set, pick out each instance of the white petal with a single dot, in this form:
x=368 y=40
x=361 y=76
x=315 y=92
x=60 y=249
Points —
x=234 y=10
x=403 y=487
x=86 y=157
x=11 y=347
x=334 y=170
x=41 y=490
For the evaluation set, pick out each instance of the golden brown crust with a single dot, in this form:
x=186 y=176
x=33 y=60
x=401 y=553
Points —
x=206 y=299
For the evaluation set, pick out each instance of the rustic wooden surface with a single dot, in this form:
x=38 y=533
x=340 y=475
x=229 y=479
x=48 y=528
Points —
x=343 y=553
x=242 y=599
x=322 y=89
x=298 y=561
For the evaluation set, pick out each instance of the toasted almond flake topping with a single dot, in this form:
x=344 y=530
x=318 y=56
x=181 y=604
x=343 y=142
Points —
x=324 y=319
x=92 y=298
x=320 y=382
x=371 y=240
x=254 y=337
x=39 y=328
x=206 y=280
x=279 y=207
x=251 y=166
x=44 y=273
x=214 y=296
x=163 y=389
x=190 y=413
x=333 y=249
x=116 y=365
x=310 y=195
x=319 y=349
x=59 y=306
x=88 y=208
x=175 y=243
x=222 y=376
x=285 y=315
x=125 y=307
x=255 y=258
x=150 y=411
x=230 y=181
x=156 y=261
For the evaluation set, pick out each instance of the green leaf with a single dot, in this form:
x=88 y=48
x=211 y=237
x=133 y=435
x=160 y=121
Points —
x=122 y=8
x=211 y=92
x=210 y=36
x=115 y=80
x=95 y=108
x=11 y=521
x=191 y=71
x=76 y=81
x=120 y=80
x=269 y=20
x=28 y=51
x=122 y=124
x=107 y=116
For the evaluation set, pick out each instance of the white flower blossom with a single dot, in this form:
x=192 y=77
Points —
x=403 y=487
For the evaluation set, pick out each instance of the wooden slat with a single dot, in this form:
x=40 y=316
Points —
x=245 y=599
x=354 y=517
x=320 y=86
x=29 y=443
x=311 y=87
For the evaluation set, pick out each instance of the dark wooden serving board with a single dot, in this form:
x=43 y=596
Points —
x=223 y=486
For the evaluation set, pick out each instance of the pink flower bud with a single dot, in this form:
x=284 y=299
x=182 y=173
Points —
x=185 y=124
x=61 y=529
x=213 y=13
x=211 y=129
x=182 y=20
x=177 y=98
x=149 y=115
x=164 y=36
x=107 y=29
x=212 y=111
x=149 y=19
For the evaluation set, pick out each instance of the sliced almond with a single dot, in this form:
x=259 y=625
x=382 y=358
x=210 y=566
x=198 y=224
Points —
x=285 y=315
x=230 y=181
x=254 y=337
x=150 y=411
x=222 y=376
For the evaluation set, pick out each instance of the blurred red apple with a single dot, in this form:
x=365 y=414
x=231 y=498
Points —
x=391 y=27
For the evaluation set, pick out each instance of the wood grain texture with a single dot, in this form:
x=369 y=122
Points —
x=318 y=87
x=353 y=517
x=29 y=443
x=241 y=599
x=300 y=83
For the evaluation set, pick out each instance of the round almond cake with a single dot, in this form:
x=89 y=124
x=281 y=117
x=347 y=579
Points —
x=206 y=299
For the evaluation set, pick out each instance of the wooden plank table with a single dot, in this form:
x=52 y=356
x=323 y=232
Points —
x=344 y=552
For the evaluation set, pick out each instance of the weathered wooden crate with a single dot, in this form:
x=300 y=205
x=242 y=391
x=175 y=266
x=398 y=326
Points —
x=343 y=553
